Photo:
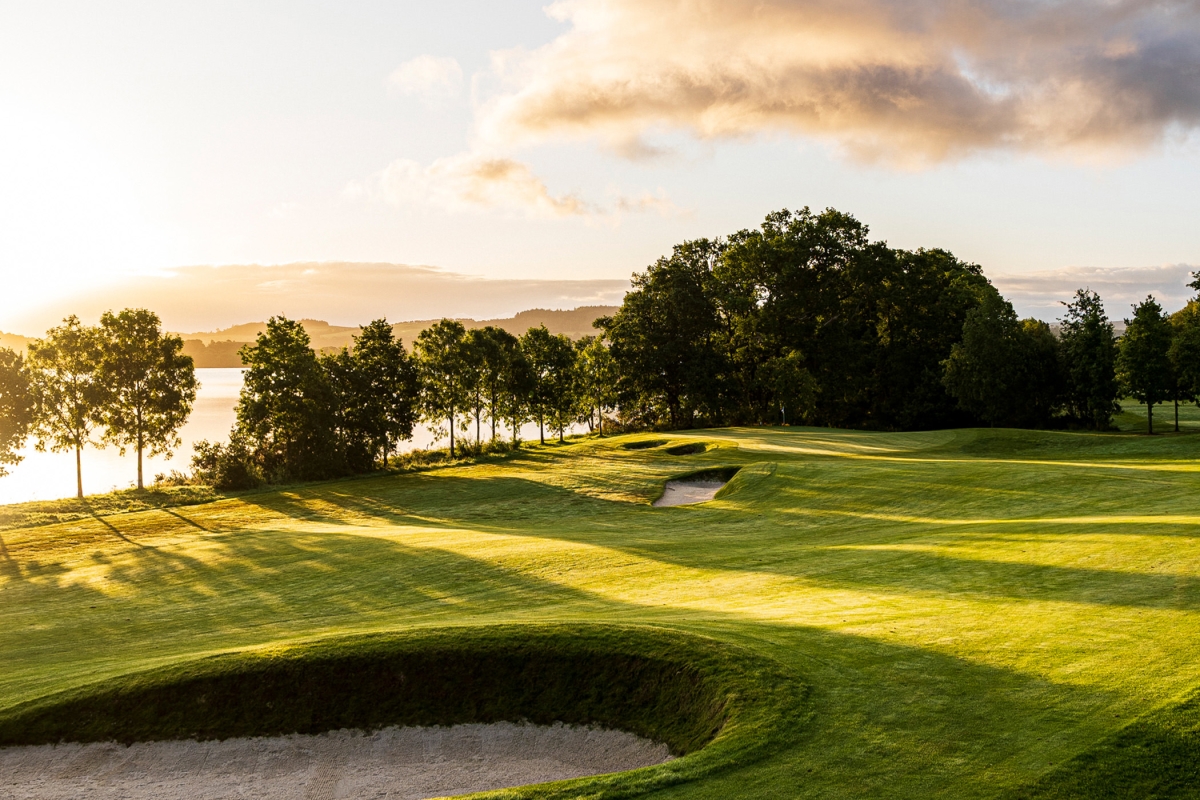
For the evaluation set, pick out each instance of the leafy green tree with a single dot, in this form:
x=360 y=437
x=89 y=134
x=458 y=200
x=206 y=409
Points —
x=791 y=385
x=67 y=394
x=286 y=407
x=497 y=349
x=552 y=363
x=387 y=388
x=1184 y=354
x=350 y=418
x=596 y=381
x=442 y=364
x=478 y=358
x=1143 y=361
x=666 y=339
x=1088 y=349
x=516 y=387
x=149 y=384
x=1041 y=385
x=983 y=371
x=16 y=408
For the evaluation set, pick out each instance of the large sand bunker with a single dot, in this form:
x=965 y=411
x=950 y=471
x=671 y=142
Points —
x=408 y=762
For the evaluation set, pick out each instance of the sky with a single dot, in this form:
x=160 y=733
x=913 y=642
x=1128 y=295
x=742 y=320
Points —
x=1052 y=143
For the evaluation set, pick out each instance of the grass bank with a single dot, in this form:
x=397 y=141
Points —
x=975 y=613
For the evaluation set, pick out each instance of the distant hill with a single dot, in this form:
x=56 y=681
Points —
x=14 y=341
x=219 y=348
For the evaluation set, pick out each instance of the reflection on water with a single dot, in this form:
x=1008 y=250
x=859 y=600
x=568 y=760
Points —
x=48 y=476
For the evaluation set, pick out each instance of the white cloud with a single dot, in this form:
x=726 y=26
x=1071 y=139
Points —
x=1041 y=294
x=903 y=81
x=479 y=181
x=430 y=76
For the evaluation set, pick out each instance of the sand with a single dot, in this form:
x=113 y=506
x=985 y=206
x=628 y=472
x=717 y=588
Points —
x=391 y=763
x=682 y=493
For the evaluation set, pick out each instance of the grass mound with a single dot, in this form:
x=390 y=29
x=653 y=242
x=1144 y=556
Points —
x=643 y=444
x=690 y=449
x=711 y=703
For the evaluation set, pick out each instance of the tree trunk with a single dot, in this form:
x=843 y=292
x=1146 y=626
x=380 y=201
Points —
x=140 y=445
x=78 y=471
x=561 y=440
x=1177 y=413
x=478 y=441
x=451 y=431
x=600 y=420
x=541 y=429
x=1150 y=418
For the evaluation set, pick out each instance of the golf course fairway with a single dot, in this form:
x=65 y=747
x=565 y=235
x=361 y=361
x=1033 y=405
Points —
x=958 y=614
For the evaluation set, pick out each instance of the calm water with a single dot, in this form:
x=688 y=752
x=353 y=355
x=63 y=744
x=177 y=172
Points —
x=49 y=476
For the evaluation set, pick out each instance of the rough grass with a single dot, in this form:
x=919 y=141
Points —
x=977 y=613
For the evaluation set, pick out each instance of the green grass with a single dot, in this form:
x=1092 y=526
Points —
x=975 y=613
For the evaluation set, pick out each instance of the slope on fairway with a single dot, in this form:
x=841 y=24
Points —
x=976 y=612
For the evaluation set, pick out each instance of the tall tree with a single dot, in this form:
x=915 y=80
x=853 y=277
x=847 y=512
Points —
x=149 y=384
x=478 y=357
x=442 y=364
x=1088 y=349
x=665 y=339
x=1143 y=361
x=596 y=381
x=286 y=406
x=983 y=371
x=498 y=349
x=516 y=388
x=552 y=362
x=792 y=386
x=1041 y=374
x=16 y=408
x=67 y=393
x=389 y=389
x=1184 y=353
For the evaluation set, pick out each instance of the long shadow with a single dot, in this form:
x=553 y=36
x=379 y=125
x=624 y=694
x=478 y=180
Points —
x=885 y=716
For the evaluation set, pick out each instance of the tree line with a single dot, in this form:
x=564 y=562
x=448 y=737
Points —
x=304 y=416
x=122 y=382
x=806 y=320
x=802 y=320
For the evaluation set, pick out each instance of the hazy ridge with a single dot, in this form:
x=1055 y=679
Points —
x=219 y=348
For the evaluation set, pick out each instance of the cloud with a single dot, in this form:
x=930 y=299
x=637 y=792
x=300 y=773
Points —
x=430 y=76
x=344 y=293
x=478 y=181
x=903 y=81
x=1041 y=294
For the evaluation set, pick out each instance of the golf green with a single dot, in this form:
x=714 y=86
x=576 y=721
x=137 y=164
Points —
x=970 y=613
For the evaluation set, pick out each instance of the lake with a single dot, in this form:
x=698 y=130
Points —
x=49 y=476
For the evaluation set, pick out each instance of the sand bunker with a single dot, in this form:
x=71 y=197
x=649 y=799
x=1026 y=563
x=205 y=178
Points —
x=391 y=763
x=686 y=492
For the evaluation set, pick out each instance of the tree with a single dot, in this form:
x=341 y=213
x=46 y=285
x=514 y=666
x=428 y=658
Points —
x=499 y=351
x=791 y=385
x=1184 y=354
x=16 y=408
x=67 y=394
x=149 y=386
x=1041 y=374
x=516 y=387
x=983 y=370
x=1143 y=362
x=665 y=339
x=478 y=359
x=1088 y=348
x=442 y=364
x=388 y=389
x=596 y=381
x=552 y=363
x=286 y=407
